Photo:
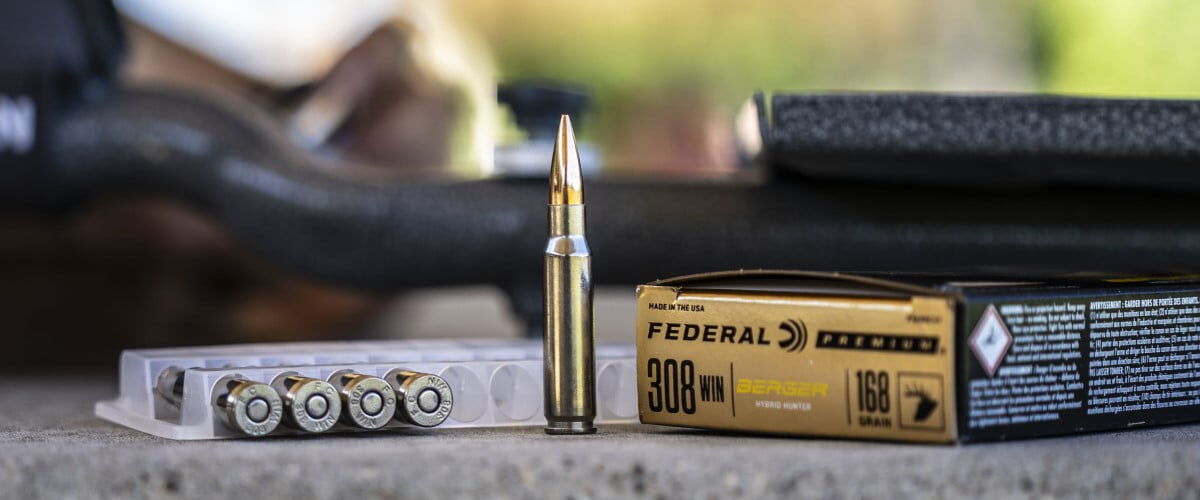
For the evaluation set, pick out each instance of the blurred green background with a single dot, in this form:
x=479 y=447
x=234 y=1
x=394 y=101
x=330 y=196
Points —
x=673 y=73
x=1112 y=47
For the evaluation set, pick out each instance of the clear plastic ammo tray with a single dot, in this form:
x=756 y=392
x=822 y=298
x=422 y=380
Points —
x=249 y=390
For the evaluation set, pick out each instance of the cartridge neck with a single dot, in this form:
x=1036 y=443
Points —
x=567 y=220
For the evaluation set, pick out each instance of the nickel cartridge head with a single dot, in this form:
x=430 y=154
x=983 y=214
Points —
x=249 y=407
x=309 y=404
x=425 y=399
x=367 y=402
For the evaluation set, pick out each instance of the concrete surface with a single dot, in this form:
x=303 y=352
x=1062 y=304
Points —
x=51 y=446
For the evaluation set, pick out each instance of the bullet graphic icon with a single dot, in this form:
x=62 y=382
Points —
x=569 y=374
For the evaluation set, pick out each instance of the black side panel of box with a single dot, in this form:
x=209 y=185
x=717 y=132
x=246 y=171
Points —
x=986 y=140
x=1040 y=363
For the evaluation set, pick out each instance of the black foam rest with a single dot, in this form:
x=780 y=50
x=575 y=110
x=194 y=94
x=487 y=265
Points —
x=997 y=140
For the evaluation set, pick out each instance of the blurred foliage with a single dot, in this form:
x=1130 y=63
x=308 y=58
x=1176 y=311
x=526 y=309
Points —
x=655 y=66
x=697 y=59
x=1118 y=47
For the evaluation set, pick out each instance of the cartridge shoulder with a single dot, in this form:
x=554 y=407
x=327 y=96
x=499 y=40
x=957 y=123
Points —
x=568 y=246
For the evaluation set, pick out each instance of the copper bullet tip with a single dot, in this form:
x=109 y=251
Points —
x=566 y=176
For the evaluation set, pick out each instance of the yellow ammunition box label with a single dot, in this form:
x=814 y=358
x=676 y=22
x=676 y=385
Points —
x=805 y=364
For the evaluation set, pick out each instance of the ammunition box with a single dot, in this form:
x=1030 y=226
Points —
x=913 y=358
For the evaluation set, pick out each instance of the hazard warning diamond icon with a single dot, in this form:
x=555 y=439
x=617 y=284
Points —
x=990 y=340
